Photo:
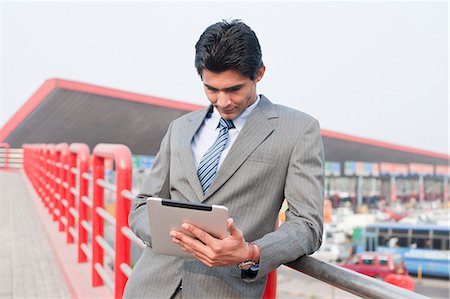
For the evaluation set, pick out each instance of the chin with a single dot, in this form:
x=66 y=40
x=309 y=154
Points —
x=227 y=116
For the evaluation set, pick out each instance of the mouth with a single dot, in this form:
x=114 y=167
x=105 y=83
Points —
x=226 y=111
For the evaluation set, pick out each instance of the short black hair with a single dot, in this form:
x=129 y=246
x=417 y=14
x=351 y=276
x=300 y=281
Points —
x=229 y=46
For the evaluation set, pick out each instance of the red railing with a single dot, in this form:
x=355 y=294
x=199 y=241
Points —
x=6 y=147
x=121 y=155
x=62 y=155
x=79 y=166
x=61 y=176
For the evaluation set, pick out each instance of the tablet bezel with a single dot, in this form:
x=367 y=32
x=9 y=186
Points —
x=166 y=215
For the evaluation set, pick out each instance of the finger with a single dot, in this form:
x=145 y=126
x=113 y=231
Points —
x=233 y=230
x=201 y=256
x=230 y=226
x=184 y=246
x=179 y=237
x=205 y=259
x=199 y=234
x=193 y=246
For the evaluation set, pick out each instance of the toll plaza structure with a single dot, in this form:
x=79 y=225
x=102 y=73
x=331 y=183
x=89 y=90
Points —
x=358 y=170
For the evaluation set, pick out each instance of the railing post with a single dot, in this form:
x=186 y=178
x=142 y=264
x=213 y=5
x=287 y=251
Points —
x=47 y=170
x=79 y=153
x=51 y=160
x=70 y=197
x=24 y=147
x=270 y=292
x=57 y=201
x=62 y=150
x=35 y=163
x=31 y=164
x=42 y=150
x=271 y=286
x=123 y=160
x=97 y=221
x=122 y=210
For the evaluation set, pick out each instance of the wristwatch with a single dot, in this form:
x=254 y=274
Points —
x=249 y=268
x=251 y=271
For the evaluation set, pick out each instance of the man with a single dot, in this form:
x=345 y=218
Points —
x=242 y=152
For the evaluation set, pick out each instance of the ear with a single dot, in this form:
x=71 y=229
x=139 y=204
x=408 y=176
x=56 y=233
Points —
x=260 y=73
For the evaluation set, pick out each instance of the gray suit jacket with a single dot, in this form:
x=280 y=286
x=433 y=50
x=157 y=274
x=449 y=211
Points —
x=278 y=154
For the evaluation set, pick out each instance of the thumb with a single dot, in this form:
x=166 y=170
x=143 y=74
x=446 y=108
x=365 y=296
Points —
x=230 y=226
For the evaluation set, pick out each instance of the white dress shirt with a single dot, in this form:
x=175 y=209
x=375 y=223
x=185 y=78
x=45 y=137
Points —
x=209 y=130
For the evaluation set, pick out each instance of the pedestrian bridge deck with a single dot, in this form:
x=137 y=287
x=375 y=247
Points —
x=28 y=265
x=32 y=251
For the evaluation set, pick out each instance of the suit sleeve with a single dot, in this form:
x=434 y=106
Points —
x=155 y=185
x=301 y=233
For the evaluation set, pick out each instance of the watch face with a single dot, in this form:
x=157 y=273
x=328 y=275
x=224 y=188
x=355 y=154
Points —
x=246 y=267
x=254 y=268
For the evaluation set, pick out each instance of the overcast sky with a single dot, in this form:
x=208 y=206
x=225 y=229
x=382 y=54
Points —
x=371 y=69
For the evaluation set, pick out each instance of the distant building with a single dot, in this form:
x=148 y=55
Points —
x=359 y=170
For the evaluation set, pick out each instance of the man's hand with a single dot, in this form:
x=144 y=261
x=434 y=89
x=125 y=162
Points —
x=211 y=251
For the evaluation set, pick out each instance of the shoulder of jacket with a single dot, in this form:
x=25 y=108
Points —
x=292 y=114
x=188 y=116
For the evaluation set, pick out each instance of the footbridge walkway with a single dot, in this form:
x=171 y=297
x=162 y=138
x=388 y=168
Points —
x=59 y=239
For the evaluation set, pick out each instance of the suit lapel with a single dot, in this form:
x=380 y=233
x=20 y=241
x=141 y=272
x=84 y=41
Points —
x=255 y=131
x=186 y=157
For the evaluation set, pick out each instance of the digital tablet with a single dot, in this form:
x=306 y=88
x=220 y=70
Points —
x=165 y=215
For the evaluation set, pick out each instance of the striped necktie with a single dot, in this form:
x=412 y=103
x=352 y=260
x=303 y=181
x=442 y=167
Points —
x=207 y=167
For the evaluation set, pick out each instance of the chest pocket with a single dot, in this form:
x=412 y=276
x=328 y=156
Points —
x=269 y=157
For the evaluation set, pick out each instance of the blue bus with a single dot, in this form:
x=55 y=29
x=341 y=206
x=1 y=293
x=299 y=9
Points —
x=425 y=248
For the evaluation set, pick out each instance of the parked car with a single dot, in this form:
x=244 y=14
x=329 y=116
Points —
x=387 y=266
x=331 y=252
x=327 y=253
x=375 y=264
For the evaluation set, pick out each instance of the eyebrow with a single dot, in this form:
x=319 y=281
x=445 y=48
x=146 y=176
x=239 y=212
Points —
x=231 y=88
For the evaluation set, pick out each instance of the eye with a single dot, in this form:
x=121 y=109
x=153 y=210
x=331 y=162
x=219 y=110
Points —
x=212 y=89
x=236 y=88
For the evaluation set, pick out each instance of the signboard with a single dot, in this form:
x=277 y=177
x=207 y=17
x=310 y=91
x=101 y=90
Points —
x=361 y=168
x=136 y=162
x=421 y=169
x=371 y=169
x=109 y=164
x=350 y=168
x=332 y=168
x=442 y=170
x=394 y=169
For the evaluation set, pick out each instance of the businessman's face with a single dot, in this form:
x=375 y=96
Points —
x=230 y=92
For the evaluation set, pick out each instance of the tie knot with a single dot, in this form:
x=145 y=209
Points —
x=226 y=123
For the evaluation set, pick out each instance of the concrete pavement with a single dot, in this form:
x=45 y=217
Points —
x=28 y=268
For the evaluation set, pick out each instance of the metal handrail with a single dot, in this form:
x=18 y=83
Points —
x=6 y=147
x=127 y=232
x=104 y=275
x=106 y=247
x=106 y=185
x=351 y=281
x=106 y=216
x=86 y=250
x=86 y=200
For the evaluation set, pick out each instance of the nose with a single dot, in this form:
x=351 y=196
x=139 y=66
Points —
x=223 y=99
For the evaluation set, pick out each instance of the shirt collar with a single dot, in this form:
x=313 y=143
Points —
x=240 y=120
